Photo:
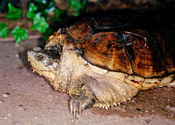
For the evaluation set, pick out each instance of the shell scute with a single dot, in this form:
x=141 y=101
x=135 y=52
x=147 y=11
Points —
x=133 y=52
x=80 y=30
x=103 y=50
x=144 y=58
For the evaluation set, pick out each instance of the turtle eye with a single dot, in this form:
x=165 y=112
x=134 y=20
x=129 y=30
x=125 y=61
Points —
x=40 y=57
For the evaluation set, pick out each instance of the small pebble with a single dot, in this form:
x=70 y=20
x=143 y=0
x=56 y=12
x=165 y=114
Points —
x=17 y=55
x=6 y=95
x=138 y=109
x=148 y=121
x=9 y=114
x=5 y=117
x=20 y=105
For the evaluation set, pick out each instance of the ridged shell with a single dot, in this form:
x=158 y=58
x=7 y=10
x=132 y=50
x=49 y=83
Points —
x=143 y=52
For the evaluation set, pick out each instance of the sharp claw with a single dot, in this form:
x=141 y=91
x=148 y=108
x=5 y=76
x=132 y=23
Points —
x=71 y=107
x=79 y=108
x=76 y=106
x=74 y=112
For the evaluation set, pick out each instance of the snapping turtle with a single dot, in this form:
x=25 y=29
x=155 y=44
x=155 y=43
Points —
x=102 y=61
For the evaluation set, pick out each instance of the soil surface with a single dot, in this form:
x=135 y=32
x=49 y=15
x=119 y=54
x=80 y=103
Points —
x=27 y=99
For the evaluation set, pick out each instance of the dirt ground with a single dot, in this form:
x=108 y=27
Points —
x=27 y=99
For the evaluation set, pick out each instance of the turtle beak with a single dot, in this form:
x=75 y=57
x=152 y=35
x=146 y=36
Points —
x=30 y=55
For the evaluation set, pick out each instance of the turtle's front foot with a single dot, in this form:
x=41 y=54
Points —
x=80 y=101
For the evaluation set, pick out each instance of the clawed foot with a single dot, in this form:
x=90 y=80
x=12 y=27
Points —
x=77 y=104
x=81 y=98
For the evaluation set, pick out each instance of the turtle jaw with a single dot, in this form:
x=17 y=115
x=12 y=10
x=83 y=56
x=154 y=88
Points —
x=42 y=64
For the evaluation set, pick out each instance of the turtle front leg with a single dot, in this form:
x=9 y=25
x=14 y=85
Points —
x=81 y=98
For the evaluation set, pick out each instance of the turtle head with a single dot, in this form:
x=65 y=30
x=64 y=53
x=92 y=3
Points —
x=44 y=62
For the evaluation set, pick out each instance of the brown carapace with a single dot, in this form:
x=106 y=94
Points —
x=104 y=61
x=143 y=52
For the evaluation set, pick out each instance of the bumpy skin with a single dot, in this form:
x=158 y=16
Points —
x=102 y=62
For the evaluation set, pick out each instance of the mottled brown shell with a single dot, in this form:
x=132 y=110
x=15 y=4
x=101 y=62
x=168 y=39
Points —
x=123 y=48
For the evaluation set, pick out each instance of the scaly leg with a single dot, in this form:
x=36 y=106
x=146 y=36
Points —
x=81 y=98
